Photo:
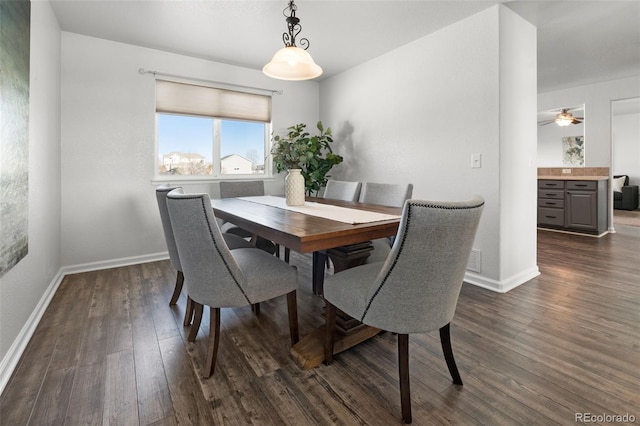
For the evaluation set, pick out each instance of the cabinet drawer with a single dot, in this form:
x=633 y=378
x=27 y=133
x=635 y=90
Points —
x=557 y=184
x=548 y=216
x=556 y=194
x=582 y=185
x=551 y=203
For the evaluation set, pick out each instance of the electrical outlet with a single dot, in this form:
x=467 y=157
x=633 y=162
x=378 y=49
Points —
x=566 y=171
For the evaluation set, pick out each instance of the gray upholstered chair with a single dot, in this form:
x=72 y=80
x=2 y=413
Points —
x=232 y=241
x=386 y=194
x=247 y=188
x=416 y=289
x=218 y=277
x=229 y=189
x=342 y=190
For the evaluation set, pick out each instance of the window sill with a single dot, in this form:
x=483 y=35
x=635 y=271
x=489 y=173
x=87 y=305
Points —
x=158 y=180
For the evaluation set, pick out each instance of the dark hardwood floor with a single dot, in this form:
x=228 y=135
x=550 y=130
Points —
x=109 y=350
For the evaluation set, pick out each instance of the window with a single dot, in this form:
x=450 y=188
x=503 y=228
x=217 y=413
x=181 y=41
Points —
x=204 y=132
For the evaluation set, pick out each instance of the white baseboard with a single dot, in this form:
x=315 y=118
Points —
x=502 y=286
x=583 y=234
x=10 y=361
x=115 y=263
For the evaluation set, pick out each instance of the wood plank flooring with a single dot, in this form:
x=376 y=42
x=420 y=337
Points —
x=109 y=350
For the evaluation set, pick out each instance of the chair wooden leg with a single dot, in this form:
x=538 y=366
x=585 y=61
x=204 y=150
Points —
x=214 y=341
x=188 y=312
x=330 y=329
x=292 y=307
x=177 y=289
x=197 y=319
x=445 y=340
x=403 y=368
x=255 y=307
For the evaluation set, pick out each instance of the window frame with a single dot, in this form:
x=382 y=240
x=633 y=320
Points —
x=215 y=145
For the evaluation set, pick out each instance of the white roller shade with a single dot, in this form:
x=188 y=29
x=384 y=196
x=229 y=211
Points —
x=191 y=99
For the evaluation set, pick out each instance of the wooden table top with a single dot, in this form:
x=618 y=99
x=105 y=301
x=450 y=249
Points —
x=304 y=233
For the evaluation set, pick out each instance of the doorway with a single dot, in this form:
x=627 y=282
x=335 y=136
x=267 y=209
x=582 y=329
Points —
x=625 y=151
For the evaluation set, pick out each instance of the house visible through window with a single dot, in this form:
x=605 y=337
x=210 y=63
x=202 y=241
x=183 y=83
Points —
x=207 y=132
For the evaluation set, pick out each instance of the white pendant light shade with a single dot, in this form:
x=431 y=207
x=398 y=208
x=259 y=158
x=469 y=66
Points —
x=292 y=63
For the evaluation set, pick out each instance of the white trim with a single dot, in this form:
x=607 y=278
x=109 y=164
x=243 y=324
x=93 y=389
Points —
x=502 y=286
x=10 y=361
x=562 y=231
x=115 y=263
x=198 y=181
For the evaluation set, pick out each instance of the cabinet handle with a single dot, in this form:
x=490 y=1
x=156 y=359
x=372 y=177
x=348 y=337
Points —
x=550 y=217
x=550 y=184
x=550 y=204
x=580 y=184
x=549 y=195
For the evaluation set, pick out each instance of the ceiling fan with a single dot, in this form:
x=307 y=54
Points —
x=564 y=118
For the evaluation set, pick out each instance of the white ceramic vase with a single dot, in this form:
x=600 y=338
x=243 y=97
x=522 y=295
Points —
x=294 y=188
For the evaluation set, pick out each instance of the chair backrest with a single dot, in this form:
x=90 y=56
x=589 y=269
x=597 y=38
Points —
x=342 y=190
x=386 y=194
x=161 y=197
x=417 y=289
x=248 y=188
x=211 y=274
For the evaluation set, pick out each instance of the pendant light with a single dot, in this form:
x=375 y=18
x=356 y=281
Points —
x=292 y=62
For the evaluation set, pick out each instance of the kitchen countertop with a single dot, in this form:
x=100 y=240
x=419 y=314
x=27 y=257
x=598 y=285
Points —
x=569 y=177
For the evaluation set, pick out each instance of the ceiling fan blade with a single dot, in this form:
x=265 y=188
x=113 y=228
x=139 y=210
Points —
x=544 y=123
x=559 y=110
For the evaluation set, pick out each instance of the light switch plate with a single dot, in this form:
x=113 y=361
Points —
x=476 y=161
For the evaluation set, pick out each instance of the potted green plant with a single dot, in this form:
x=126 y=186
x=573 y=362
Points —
x=312 y=155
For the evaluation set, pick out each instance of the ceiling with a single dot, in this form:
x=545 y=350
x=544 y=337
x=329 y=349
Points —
x=579 y=42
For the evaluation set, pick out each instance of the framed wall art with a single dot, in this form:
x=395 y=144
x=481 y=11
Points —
x=573 y=151
x=15 y=26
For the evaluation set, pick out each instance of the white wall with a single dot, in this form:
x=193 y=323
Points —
x=518 y=150
x=26 y=289
x=550 y=143
x=626 y=146
x=109 y=210
x=418 y=113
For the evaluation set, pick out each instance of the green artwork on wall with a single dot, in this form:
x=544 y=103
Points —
x=573 y=151
x=15 y=24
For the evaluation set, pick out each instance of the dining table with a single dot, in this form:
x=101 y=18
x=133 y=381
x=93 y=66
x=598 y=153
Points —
x=322 y=225
x=340 y=230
